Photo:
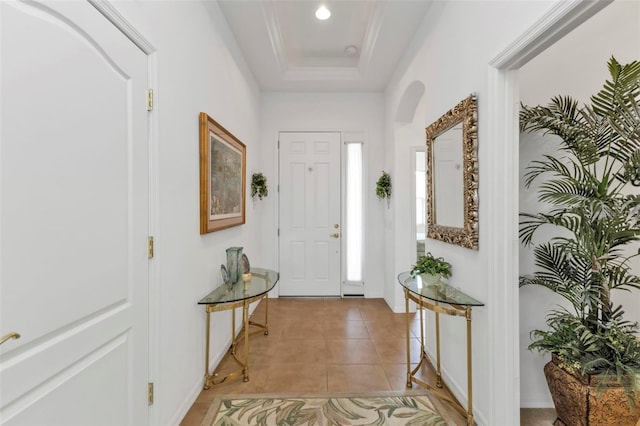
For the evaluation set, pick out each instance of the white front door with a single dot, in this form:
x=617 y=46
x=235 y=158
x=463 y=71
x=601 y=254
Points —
x=310 y=214
x=74 y=218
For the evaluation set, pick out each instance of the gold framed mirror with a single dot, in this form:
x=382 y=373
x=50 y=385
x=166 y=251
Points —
x=452 y=176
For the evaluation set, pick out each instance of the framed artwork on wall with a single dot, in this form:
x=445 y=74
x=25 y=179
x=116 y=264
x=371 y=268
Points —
x=222 y=177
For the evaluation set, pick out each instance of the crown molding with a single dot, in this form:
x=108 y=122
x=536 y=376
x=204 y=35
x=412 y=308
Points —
x=275 y=36
x=371 y=36
x=321 y=73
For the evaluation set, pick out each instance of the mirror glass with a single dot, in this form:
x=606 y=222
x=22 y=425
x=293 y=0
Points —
x=447 y=178
x=452 y=176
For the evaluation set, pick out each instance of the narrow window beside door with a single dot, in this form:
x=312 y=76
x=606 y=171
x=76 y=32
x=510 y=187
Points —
x=354 y=225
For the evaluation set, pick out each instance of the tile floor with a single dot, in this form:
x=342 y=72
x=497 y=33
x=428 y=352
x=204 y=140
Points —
x=326 y=345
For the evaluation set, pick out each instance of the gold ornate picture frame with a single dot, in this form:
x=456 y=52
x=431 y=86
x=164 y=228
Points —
x=222 y=177
x=452 y=176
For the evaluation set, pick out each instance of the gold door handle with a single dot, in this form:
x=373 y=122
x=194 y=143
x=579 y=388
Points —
x=9 y=336
x=336 y=235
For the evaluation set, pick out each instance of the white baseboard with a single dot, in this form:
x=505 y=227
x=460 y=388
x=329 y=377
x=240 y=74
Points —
x=536 y=404
x=397 y=309
x=183 y=409
x=216 y=358
x=458 y=390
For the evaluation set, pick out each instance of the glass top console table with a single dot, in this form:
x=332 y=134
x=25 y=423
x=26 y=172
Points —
x=440 y=298
x=238 y=295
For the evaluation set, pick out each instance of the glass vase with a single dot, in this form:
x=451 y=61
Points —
x=233 y=263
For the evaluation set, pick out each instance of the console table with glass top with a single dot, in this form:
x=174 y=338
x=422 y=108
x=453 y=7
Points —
x=440 y=298
x=232 y=296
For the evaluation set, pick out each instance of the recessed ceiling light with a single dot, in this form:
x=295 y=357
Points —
x=323 y=13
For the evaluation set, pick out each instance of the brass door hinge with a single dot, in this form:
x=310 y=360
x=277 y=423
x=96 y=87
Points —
x=150 y=393
x=150 y=247
x=150 y=100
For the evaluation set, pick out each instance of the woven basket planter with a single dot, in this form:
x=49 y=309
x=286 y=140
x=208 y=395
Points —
x=578 y=403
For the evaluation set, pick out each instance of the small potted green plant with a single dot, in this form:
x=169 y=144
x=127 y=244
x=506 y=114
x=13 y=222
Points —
x=383 y=187
x=259 y=186
x=435 y=267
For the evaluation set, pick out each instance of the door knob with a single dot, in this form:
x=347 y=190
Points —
x=9 y=336
x=336 y=235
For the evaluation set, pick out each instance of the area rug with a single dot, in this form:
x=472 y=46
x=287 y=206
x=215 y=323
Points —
x=381 y=408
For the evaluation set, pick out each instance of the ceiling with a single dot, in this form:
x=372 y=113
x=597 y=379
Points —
x=289 y=49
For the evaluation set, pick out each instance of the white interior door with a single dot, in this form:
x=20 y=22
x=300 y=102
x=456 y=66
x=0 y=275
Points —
x=74 y=218
x=310 y=214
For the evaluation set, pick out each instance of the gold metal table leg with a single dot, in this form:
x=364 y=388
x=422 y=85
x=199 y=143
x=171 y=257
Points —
x=236 y=342
x=266 y=314
x=245 y=317
x=213 y=378
x=207 y=378
x=233 y=330
x=438 y=371
x=469 y=369
x=406 y=309
x=441 y=390
x=423 y=352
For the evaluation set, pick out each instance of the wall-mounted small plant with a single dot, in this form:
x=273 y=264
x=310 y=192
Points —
x=383 y=186
x=259 y=186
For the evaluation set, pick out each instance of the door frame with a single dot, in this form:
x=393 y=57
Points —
x=113 y=15
x=345 y=135
x=503 y=243
x=413 y=205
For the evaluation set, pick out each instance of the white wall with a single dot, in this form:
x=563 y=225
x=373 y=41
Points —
x=343 y=112
x=450 y=55
x=196 y=70
x=576 y=66
x=400 y=223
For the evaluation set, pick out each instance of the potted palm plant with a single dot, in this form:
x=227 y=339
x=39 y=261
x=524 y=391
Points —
x=593 y=374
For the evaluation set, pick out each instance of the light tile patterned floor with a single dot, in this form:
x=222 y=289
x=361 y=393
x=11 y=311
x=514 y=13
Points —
x=325 y=345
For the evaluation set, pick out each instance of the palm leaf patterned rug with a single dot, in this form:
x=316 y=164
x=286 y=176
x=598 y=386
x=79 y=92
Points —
x=385 y=408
